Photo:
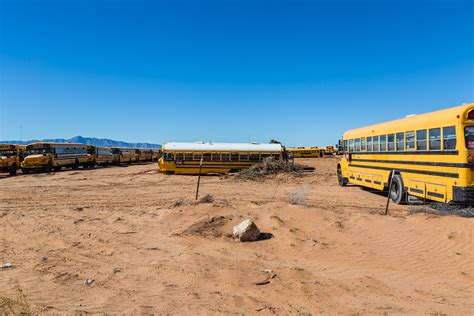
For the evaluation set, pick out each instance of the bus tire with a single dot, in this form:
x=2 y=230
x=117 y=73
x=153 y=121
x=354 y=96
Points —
x=75 y=165
x=397 y=190
x=49 y=167
x=12 y=170
x=340 y=179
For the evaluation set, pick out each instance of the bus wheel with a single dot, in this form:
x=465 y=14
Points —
x=12 y=170
x=397 y=192
x=340 y=179
x=49 y=167
x=75 y=165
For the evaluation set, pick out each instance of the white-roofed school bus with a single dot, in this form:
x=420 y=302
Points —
x=429 y=156
x=221 y=158
x=45 y=156
x=145 y=154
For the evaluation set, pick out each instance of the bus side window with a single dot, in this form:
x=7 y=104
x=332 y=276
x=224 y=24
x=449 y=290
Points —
x=435 y=138
x=264 y=156
x=345 y=146
x=449 y=138
x=351 y=145
x=216 y=157
x=369 y=144
x=400 y=141
x=206 y=157
x=234 y=157
x=276 y=156
x=383 y=142
x=421 y=139
x=244 y=157
x=188 y=156
x=225 y=157
x=197 y=157
x=179 y=156
x=376 y=143
x=357 y=144
x=363 y=144
x=410 y=140
x=253 y=157
x=391 y=142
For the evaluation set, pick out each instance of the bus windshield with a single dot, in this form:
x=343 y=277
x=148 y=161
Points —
x=39 y=151
x=469 y=136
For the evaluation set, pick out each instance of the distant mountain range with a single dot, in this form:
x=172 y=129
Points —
x=104 y=142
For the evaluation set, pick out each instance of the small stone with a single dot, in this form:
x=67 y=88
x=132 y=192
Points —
x=246 y=231
x=88 y=281
x=6 y=265
x=44 y=258
x=115 y=270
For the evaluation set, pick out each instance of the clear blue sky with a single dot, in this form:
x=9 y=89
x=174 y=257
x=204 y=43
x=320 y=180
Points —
x=298 y=71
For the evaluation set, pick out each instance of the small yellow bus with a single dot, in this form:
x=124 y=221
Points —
x=221 y=158
x=10 y=156
x=125 y=155
x=104 y=156
x=429 y=156
x=145 y=154
x=44 y=156
x=329 y=150
x=303 y=152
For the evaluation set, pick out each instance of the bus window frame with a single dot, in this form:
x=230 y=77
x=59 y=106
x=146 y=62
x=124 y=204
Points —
x=417 y=140
x=413 y=141
x=384 y=143
x=363 y=144
x=439 y=140
x=391 y=142
x=397 y=141
x=444 y=139
x=369 y=141
x=375 y=148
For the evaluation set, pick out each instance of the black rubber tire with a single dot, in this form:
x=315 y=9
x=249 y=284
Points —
x=49 y=167
x=12 y=170
x=397 y=191
x=340 y=179
x=75 y=165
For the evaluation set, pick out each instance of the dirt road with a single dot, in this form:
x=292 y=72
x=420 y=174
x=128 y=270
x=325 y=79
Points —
x=148 y=248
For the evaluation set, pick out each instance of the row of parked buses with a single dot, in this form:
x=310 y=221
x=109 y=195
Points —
x=312 y=152
x=54 y=156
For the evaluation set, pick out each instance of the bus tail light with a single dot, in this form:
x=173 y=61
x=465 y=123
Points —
x=470 y=158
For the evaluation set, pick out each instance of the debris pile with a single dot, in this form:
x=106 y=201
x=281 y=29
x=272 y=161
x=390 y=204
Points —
x=272 y=166
x=443 y=209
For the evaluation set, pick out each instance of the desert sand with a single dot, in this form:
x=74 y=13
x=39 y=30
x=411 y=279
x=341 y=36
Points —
x=149 y=248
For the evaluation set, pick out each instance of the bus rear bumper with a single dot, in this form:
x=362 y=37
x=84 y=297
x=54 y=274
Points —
x=463 y=195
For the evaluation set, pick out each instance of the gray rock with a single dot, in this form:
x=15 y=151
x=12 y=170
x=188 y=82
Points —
x=246 y=231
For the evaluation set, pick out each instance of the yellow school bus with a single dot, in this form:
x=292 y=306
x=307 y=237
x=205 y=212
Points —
x=125 y=155
x=303 y=152
x=44 y=156
x=156 y=154
x=329 y=150
x=145 y=154
x=91 y=156
x=185 y=158
x=429 y=156
x=10 y=158
x=104 y=156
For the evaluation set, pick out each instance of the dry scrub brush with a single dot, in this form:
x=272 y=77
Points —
x=299 y=196
x=269 y=167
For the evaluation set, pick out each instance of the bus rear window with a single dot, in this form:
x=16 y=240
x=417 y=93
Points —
x=469 y=136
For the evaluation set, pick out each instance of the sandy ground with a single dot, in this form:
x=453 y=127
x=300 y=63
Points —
x=333 y=254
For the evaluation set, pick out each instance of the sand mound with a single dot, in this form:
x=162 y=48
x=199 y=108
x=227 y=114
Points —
x=208 y=227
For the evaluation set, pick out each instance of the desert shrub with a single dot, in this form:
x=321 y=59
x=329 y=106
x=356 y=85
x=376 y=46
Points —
x=298 y=197
x=269 y=167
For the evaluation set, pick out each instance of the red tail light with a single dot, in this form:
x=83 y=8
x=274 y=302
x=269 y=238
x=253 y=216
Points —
x=470 y=115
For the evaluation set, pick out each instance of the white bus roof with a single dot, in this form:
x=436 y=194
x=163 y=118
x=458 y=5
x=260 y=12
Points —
x=209 y=146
